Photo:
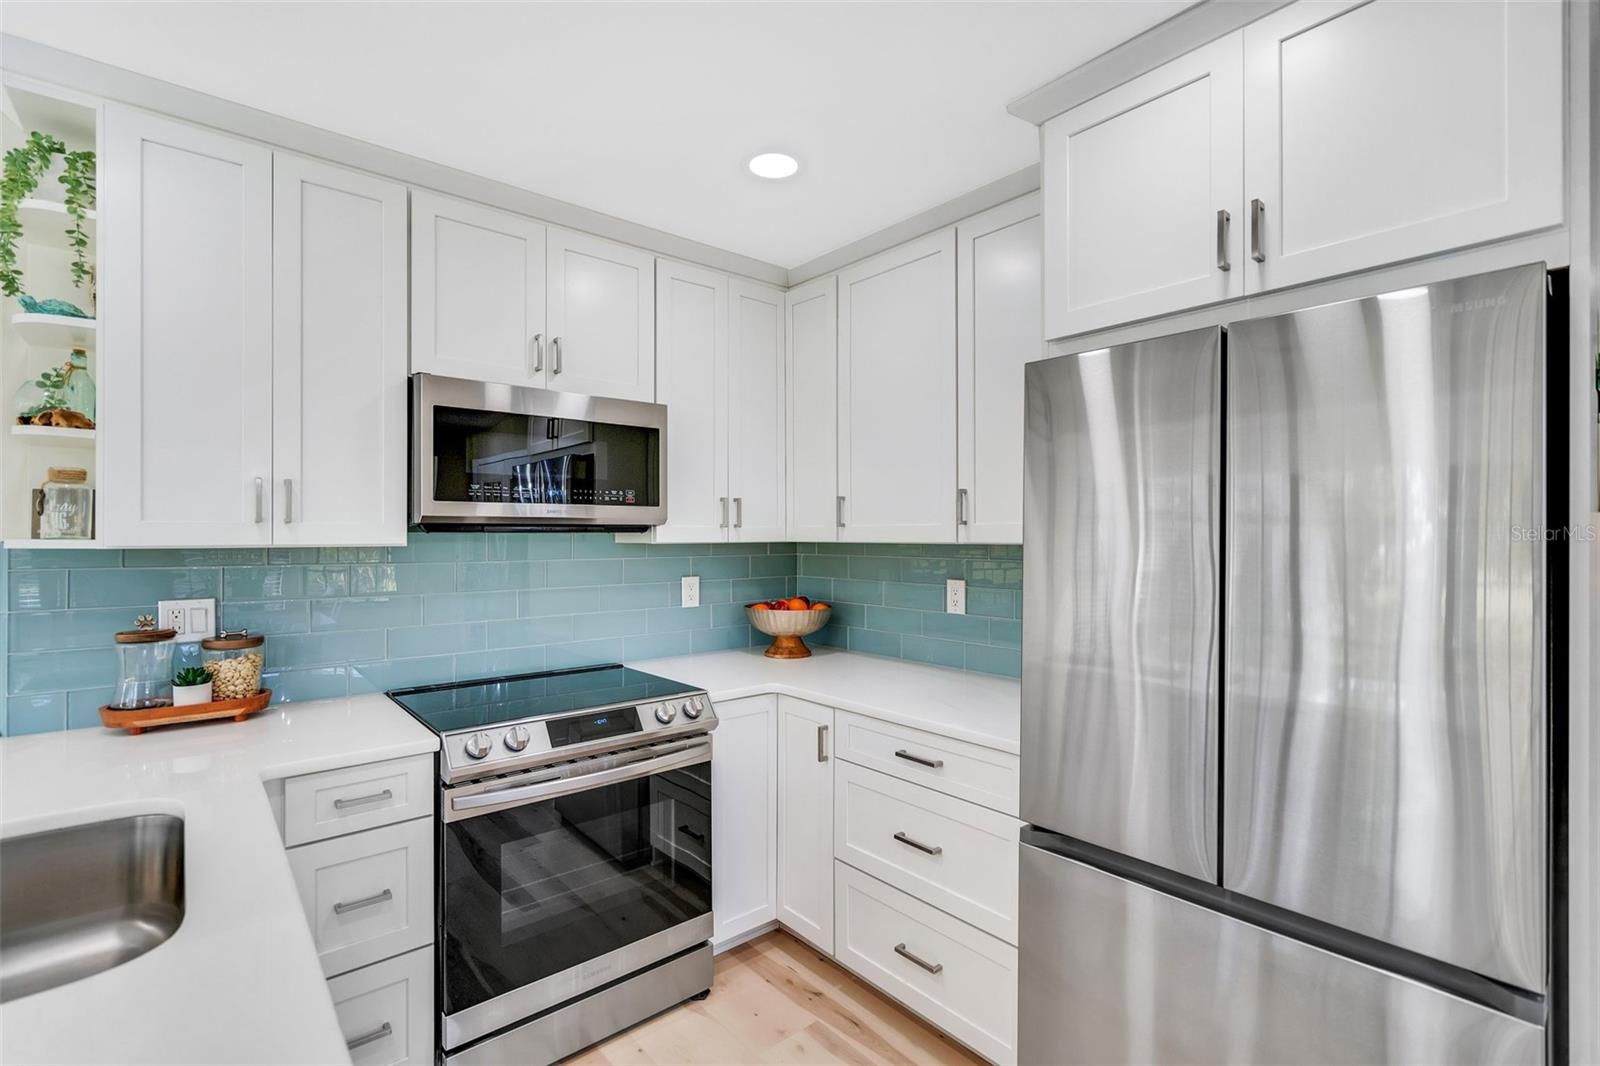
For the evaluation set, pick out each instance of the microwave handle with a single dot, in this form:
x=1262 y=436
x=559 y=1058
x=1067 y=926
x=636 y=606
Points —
x=544 y=787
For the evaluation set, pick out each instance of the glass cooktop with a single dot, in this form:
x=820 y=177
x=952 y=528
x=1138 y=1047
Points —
x=459 y=705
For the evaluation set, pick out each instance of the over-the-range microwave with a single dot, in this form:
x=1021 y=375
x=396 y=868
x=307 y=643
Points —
x=486 y=456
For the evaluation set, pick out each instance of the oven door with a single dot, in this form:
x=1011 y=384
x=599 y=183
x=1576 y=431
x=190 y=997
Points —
x=498 y=455
x=556 y=885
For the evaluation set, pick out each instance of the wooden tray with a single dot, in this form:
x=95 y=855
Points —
x=136 y=722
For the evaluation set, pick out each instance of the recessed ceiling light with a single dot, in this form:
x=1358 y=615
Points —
x=773 y=165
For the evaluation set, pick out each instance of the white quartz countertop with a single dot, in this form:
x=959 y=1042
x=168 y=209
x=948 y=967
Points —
x=978 y=708
x=239 y=981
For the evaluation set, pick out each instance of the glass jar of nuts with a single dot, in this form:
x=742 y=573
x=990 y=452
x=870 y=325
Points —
x=233 y=659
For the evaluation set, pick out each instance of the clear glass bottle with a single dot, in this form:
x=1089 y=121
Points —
x=65 y=507
x=78 y=391
x=145 y=660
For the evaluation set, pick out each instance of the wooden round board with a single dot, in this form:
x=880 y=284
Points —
x=136 y=722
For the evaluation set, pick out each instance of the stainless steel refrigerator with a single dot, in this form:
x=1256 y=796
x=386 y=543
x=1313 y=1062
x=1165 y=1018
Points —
x=1285 y=712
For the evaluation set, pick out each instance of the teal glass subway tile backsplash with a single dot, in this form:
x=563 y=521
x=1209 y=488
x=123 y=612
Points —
x=459 y=605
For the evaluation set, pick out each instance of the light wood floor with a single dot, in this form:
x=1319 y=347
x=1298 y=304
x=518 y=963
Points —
x=776 y=1000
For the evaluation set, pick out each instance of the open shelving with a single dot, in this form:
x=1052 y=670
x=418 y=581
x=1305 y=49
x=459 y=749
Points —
x=67 y=331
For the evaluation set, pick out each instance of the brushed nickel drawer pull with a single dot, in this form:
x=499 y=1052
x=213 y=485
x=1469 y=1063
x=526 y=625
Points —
x=932 y=764
x=354 y=905
x=366 y=1038
x=355 y=801
x=931 y=967
x=1258 y=213
x=822 y=743
x=1223 y=218
x=928 y=849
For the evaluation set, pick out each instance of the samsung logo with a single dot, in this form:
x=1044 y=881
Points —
x=1478 y=304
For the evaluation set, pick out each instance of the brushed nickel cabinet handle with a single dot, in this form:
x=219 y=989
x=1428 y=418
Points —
x=931 y=967
x=932 y=764
x=723 y=500
x=1258 y=211
x=366 y=1038
x=822 y=743
x=738 y=512
x=926 y=849
x=356 y=801
x=1223 y=218
x=261 y=514
x=288 y=500
x=555 y=355
x=536 y=350
x=356 y=904
x=838 y=512
x=961 y=507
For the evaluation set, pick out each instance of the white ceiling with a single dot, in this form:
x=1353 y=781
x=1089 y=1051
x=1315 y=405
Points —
x=646 y=111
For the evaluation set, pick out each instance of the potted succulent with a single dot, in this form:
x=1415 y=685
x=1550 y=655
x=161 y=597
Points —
x=191 y=685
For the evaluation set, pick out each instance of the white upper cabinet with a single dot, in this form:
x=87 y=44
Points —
x=1377 y=132
x=999 y=330
x=602 y=317
x=339 y=356
x=692 y=339
x=813 y=427
x=755 y=406
x=897 y=389
x=477 y=292
x=1141 y=195
x=186 y=278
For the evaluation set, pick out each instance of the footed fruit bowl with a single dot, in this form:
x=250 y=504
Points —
x=786 y=622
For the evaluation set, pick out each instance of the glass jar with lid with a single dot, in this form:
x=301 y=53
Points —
x=145 y=660
x=64 y=505
x=233 y=659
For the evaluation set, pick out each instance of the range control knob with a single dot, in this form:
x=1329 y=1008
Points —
x=699 y=704
x=478 y=745
x=665 y=713
x=691 y=709
x=517 y=738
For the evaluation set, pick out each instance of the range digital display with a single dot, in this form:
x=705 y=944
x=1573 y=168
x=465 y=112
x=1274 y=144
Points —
x=595 y=726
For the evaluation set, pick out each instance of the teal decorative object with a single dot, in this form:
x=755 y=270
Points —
x=77 y=389
x=51 y=307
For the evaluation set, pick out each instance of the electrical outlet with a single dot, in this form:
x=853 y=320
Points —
x=193 y=619
x=691 y=591
x=955 y=596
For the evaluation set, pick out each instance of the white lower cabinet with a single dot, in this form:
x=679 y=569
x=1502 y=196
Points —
x=386 y=1010
x=744 y=824
x=805 y=821
x=959 y=978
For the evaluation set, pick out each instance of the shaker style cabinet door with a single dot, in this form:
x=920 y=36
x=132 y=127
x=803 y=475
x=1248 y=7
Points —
x=186 y=404
x=755 y=406
x=477 y=292
x=805 y=820
x=999 y=330
x=1377 y=132
x=744 y=823
x=602 y=303
x=692 y=341
x=1142 y=195
x=812 y=327
x=339 y=356
x=897 y=387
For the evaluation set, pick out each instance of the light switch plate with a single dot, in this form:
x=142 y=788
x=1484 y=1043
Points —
x=193 y=619
x=955 y=596
x=691 y=591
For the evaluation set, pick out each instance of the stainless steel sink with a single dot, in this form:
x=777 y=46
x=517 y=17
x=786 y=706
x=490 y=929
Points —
x=81 y=900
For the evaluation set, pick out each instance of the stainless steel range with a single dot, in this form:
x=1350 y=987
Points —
x=574 y=856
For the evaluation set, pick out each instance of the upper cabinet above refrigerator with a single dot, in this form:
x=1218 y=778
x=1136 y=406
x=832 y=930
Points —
x=1323 y=139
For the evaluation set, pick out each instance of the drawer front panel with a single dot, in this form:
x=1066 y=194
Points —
x=335 y=802
x=962 y=980
x=966 y=771
x=386 y=1010
x=369 y=895
x=958 y=856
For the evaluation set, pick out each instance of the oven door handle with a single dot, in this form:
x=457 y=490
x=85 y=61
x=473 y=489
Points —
x=645 y=763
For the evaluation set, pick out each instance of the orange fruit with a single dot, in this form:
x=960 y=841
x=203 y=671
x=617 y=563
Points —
x=759 y=607
x=799 y=603
x=819 y=607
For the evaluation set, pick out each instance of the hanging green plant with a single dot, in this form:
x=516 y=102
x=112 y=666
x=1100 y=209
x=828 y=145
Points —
x=24 y=167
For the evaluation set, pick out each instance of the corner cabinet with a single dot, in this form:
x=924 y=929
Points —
x=812 y=327
x=222 y=370
x=805 y=821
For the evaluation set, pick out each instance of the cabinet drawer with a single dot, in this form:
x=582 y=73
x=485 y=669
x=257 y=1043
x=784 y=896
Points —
x=318 y=806
x=958 y=856
x=966 y=771
x=368 y=895
x=962 y=980
x=683 y=826
x=386 y=1010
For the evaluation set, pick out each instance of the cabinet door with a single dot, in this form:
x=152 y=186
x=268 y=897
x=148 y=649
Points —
x=1376 y=132
x=813 y=404
x=338 y=356
x=1142 y=195
x=999 y=330
x=477 y=292
x=186 y=407
x=897 y=394
x=744 y=822
x=692 y=340
x=602 y=301
x=805 y=821
x=756 y=412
